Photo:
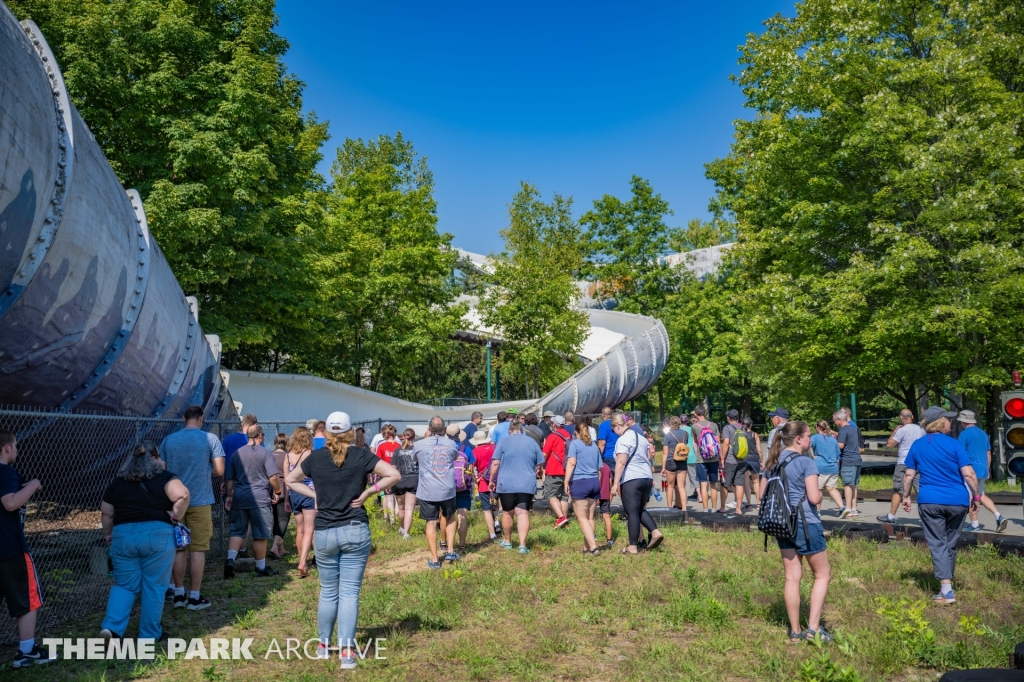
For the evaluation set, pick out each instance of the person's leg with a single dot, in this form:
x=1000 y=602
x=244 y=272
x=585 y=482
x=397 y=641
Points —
x=355 y=551
x=646 y=520
x=681 y=489
x=410 y=504
x=432 y=540
x=308 y=519
x=556 y=507
x=442 y=520
x=178 y=569
x=301 y=545
x=485 y=504
x=793 y=567
x=632 y=504
x=155 y=564
x=822 y=576
x=125 y=556
x=954 y=525
x=987 y=503
x=933 y=522
x=522 y=525
x=670 y=487
x=506 y=525
x=328 y=562
x=452 y=525
x=27 y=626
x=463 y=527
x=834 y=494
x=582 y=509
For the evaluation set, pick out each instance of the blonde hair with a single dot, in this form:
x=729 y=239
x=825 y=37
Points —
x=582 y=431
x=301 y=440
x=338 y=444
x=618 y=419
x=940 y=425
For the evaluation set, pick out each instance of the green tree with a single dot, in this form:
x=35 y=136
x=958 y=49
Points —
x=532 y=297
x=626 y=240
x=878 y=195
x=383 y=270
x=191 y=103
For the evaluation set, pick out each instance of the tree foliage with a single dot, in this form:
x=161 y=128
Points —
x=878 y=195
x=532 y=297
x=191 y=103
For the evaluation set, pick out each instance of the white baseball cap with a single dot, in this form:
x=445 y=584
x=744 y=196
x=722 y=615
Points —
x=339 y=422
x=558 y=419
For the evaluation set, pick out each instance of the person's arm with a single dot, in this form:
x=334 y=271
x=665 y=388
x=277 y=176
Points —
x=14 y=501
x=600 y=446
x=106 y=520
x=908 y=480
x=388 y=477
x=813 y=491
x=892 y=442
x=988 y=456
x=179 y=496
x=294 y=479
x=217 y=457
x=620 y=470
x=972 y=483
x=570 y=466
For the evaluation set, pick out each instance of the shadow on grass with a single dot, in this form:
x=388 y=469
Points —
x=923 y=579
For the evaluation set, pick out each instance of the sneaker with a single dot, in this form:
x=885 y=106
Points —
x=108 y=634
x=564 y=521
x=322 y=652
x=730 y=505
x=38 y=656
x=243 y=554
x=853 y=514
x=523 y=549
x=180 y=601
x=944 y=598
x=611 y=543
x=494 y=538
x=229 y=568
x=405 y=536
x=969 y=528
x=452 y=557
x=266 y=572
x=886 y=518
x=497 y=526
x=169 y=594
x=1002 y=524
x=843 y=511
x=198 y=604
x=348 y=662
x=433 y=565
x=505 y=545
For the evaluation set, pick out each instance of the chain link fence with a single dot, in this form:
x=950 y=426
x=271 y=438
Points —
x=75 y=457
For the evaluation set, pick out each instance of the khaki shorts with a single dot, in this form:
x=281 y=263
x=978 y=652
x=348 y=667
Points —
x=828 y=481
x=200 y=525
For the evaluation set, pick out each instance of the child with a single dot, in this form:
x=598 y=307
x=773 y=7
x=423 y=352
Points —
x=605 y=502
x=20 y=581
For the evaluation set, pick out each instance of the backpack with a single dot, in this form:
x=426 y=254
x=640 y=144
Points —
x=777 y=517
x=681 y=452
x=707 y=444
x=741 y=450
x=463 y=479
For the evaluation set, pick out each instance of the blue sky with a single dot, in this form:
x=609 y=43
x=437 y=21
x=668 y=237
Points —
x=574 y=97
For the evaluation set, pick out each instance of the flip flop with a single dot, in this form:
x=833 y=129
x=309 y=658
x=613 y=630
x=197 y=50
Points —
x=303 y=572
x=655 y=542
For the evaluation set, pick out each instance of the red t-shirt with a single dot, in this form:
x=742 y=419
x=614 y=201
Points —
x=483 y=454
x=387 y=448
x=554 y=451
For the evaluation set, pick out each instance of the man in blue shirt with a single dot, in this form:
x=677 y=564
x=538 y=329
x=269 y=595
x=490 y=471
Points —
x=606 y=438
x=238 y=438
x=979 y=449
x=501 y=430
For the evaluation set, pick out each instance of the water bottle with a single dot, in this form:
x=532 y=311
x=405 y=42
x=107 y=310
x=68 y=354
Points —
x=657 y=494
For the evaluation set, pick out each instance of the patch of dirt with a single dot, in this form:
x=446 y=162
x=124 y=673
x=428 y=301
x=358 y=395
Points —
x=411 y=563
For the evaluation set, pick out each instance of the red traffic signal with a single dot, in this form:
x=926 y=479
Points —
x=1014 y=408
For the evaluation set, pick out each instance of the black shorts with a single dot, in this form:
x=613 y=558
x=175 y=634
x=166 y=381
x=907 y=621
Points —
x=510 y=501
x=19 y=585
x=406 y=485
x=734 y=474
x=430 y=511
x=604 y=507
x=674 y=466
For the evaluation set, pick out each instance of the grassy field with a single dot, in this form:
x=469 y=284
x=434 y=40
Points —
x=706 y=606
x=877 y=482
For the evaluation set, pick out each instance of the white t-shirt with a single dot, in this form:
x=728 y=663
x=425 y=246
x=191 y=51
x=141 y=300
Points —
x=905 y=437
x=377 y=440
x=640 y=465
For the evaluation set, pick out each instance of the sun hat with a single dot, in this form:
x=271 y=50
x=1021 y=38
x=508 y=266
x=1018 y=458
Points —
x=479 y=438
x=452 y=431
x=548 y=413
x=339 y=422
x=967 y=417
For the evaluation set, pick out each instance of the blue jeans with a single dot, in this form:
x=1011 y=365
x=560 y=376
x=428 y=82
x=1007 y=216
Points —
x=142 y=554
x=341 y=556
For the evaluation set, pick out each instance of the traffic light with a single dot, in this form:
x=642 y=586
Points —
x=1013 y=431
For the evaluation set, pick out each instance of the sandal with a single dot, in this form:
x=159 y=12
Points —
x=303 y=572
x=625 y=550
x=655 y=542
x=821 y=635
x=795 y=637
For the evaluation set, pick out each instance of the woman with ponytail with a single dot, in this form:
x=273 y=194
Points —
x=788 y=450
x=341 y=528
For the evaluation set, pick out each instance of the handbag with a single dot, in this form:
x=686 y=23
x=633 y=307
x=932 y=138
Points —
x=182 y=535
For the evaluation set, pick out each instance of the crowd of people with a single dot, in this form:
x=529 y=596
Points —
x=157 y=514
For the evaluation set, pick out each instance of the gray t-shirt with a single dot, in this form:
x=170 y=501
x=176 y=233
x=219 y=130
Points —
x=905 y=437
x=436 y=457
x=797 y=471
x=729 y=431
x=251 y=468
x=520 y=456
x=849 y=440
x=189 y=455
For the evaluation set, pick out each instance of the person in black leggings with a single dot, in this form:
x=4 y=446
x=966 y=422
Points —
x=634 y=478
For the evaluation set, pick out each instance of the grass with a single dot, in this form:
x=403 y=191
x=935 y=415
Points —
x=875 y=482
x=707 y=606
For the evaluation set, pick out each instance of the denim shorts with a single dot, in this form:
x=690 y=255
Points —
x=803 y=544
x=707 y=472
x=485 y=502
x=850 y=474
x=300 y=502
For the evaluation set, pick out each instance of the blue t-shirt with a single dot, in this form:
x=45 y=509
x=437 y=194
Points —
x=231 y=445
x=499 y=432
x=470 y=429
x=826 y=454
x=588 y=460
x=938 y=458
x=189 y=455
x=520 y=456
x=319 y=442
x=605 y=433
x=977 y=445
x=12 y=523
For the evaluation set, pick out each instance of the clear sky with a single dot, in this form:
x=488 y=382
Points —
x=574 y=97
